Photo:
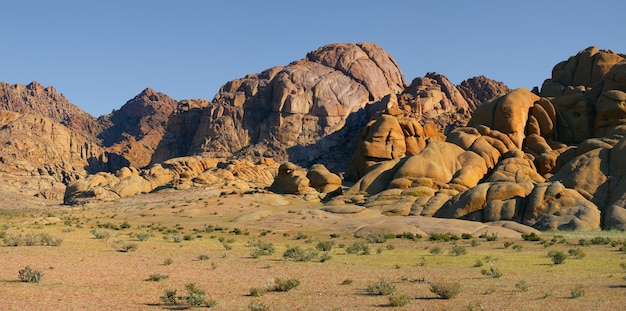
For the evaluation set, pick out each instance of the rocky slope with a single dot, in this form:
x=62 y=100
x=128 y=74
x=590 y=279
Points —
x=545 y=158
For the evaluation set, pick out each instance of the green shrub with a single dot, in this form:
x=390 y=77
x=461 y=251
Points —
x=457 y=251
x=466 y=236
x=517 y=248
x=359 y=248
x=600 y=240
x=258 y=306
x=558 y=257
x=489 y=237
x=507 y=244
x=347 y=282
x=522 y=286
x=475 y=243
x=168 y=261
x=436 y=250
x=577 y=253
x=157 y=277
x=492 y=272
x=445 y=290
x=257 y=292
x=203 y=257
x=281 y=285
x=262 y=248
x=583 y=242
x=479 y=263
x=169 y=297
x=577 y=291
x=399 y=300
x=442 y=237
x=531 y=237
x=381 y=287
x=196 y=297
x=324 y=246
x=325 y=257
x=378 y=237
x=142 y=236
x=299 y=254
x=29 y=275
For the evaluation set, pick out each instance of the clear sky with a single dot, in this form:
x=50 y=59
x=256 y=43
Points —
x=100 y=54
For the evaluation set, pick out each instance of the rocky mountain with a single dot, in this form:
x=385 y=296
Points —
x=135 y=130
x=35 y=99
x=547 y=158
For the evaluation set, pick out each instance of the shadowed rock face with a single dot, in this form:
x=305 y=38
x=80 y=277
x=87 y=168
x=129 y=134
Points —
x=550 y=161
x=302 y=111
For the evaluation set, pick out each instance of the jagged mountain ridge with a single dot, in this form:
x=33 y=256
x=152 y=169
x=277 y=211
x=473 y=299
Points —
x=306 y=112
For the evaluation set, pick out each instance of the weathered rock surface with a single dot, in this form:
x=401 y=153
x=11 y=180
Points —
x=37 y=100
x=301 y=112
x=178 y=173
x=138 y=127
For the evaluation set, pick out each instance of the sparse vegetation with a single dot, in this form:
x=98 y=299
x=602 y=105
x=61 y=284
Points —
x=157 y=277
x=31 y=239
x=381 y=287
x=492 y=272
x=399 y=300
x=281 y=285
x=522 y=286
x=457 y=250
x=297 y=253
x=30 y=275
x=445 y=290
x=359 y=248
x=558 y=257
x=577 y=292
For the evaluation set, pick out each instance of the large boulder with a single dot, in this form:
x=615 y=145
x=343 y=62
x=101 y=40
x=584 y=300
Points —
x=285 y=112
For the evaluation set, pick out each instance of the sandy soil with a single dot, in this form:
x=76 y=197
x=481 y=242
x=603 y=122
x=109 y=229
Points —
x=86 y=273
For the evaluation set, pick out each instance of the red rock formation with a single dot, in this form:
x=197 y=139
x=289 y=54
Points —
x=138 y=127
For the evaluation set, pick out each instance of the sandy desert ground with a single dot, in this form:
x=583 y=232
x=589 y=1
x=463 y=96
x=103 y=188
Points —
x=202 y=237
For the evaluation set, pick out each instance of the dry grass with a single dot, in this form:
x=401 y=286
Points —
x=85 y=273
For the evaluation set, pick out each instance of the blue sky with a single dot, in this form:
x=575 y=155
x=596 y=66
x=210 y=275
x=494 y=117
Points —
x=100 y=54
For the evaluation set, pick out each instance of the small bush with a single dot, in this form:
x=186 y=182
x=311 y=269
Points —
x=324 y=246
x=203 y=257
x=600 y=240
x=466 y=236
x=507 y=244
x=381 y=287
x=196 y=297
x=142 y=237
x=377 y=237
x=475 y=243
x=479 y=263
x=258 y=306
x=577 y=253
x=157 y=277
x=399 y=300
x=125 y=247
x=436 y=250
x=457 y=251
x=517 y=248
x=492 y=272
x=522 y=286
x=299 y=254
x=359 y=248
x=531 y=237
x=558 y=257
x=325 y=257
x=262 y=249
x=347 y=282
x=577 y=292
x=583 y=242
x=257 y=292
x=30 y=275
x=445 y=290
x=281 y=285
x=169 y=297
x=31 y=239
x=490 y=237
x=475 y=307
x=168 y=261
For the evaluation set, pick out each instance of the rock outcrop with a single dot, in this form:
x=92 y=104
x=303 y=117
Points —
x=136 y=130
x=37 y=100
x=548 y=160
x=301 y=112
